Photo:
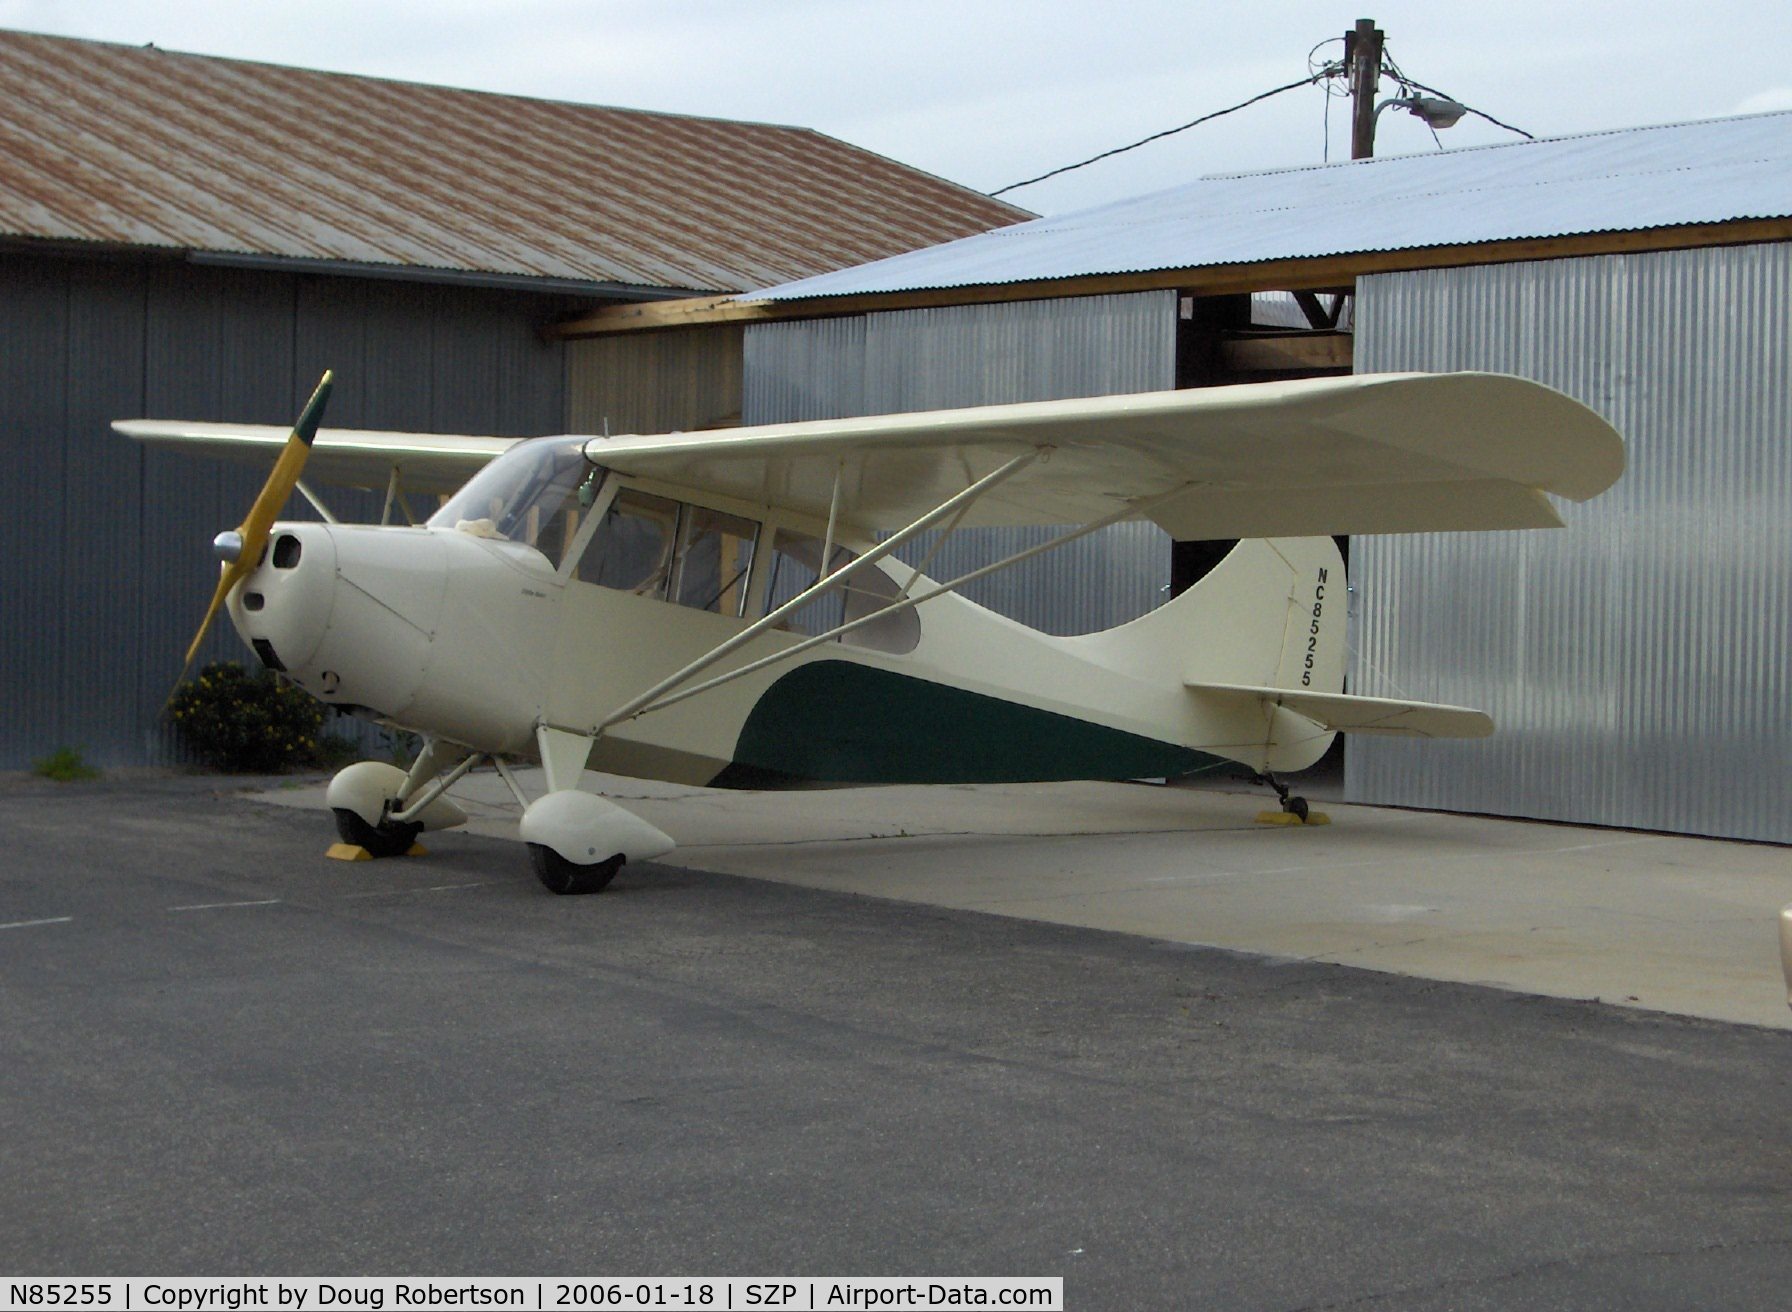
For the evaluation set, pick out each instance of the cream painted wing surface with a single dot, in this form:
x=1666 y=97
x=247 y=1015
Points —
x=1376 y=453
x=342 y=457
x=1342 y=712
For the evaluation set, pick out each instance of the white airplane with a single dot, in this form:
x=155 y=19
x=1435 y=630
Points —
x=725 y=607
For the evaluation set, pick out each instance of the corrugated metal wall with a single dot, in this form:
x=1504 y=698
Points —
x=1636 y=663
x=105 y=558
x=981 y=355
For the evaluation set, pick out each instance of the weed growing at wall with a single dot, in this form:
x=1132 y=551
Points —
x=64 y=765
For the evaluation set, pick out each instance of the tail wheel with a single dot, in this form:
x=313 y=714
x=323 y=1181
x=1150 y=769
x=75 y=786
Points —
x=558 y=875
x=382 y=840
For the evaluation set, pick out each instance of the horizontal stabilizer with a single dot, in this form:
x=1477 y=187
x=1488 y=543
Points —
x=1341 y=713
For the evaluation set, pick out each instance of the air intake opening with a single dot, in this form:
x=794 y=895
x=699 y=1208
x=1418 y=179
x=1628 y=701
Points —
x=264 y=651
x=287 y=549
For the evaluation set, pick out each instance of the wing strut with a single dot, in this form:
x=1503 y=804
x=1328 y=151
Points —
x=827 y=548
x=317 y=502
x=933 y=551
x=659 y=700
x=635 y=705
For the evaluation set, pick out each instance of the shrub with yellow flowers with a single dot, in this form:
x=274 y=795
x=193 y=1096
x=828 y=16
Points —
x=246 y=723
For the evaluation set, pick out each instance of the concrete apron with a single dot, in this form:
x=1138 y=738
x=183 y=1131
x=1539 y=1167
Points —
x=1661 y=922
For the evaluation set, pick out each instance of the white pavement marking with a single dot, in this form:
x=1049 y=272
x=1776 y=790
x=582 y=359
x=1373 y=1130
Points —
x=219 y=906
x=432 y=888
x=27 y=924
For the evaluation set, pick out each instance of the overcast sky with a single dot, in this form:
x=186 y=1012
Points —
x=988 y=92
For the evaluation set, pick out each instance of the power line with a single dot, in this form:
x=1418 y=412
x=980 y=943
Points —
x=1167 y=132
x=1327 y=72
x=1321 y=74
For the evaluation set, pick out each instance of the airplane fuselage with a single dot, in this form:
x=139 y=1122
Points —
x=480 y=640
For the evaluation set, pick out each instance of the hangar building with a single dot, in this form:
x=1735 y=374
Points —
x=199 y=238
x=1636 y=663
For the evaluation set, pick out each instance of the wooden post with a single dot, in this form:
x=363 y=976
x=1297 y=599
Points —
x=1362 y=52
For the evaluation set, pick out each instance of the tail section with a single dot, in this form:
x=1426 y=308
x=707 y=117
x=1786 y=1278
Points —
x=1259 y=644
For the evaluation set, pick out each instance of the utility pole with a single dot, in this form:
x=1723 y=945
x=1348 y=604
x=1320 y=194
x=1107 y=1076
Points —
x=1362 y=58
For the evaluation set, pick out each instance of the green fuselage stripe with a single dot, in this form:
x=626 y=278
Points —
x=839 y=722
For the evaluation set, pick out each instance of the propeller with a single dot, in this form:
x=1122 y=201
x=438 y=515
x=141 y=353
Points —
x=241 y=549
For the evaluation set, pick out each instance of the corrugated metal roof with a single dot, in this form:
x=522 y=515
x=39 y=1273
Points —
x=147 y=147
x=1689 y=173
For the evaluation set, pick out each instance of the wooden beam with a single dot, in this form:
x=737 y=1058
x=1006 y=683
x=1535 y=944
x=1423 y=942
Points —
x=1326 y=272
x=645 y=316
x=1286 y=352
x=1318 y=316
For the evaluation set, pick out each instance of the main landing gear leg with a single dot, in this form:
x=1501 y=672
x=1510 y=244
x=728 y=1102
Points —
x=563 y=757
x=366 y=796
x=578 y=840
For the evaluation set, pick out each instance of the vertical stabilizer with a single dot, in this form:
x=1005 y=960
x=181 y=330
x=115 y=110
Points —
x=1270 y=614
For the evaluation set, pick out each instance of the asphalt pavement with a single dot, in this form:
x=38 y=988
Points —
x=221 y=1053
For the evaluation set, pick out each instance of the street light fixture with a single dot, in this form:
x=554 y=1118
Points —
x=1437 y=111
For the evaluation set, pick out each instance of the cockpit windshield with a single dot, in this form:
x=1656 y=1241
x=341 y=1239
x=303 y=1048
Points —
x=525 y=495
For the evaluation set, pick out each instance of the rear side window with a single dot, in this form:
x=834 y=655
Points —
x=796 y=564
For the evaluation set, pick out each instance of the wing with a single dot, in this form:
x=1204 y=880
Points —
x=343 y=457
x=1374 y=453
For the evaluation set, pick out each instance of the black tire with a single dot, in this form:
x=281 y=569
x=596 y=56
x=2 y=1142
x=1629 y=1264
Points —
x=558 y=875
x=1297 y=806
x=386 y=840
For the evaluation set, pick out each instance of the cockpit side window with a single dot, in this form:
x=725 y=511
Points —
x=714 y=558
x=694 y=556
x=631 y=550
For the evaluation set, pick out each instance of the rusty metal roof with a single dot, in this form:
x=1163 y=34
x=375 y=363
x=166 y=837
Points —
x=142 y=147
